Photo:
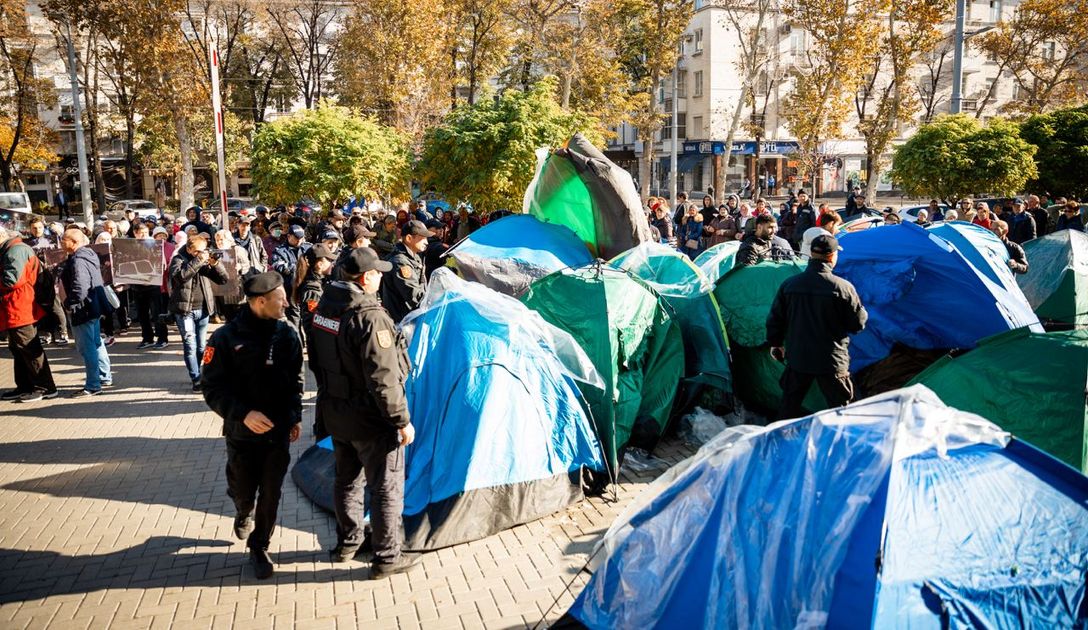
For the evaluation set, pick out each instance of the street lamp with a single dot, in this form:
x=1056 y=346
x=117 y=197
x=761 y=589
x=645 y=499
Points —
x=957 y=56
x=758 y=122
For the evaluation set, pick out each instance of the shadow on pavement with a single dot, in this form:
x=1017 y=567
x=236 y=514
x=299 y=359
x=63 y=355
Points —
x=156 y=563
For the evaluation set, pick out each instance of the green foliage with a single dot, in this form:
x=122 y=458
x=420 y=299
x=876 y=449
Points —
x=328 y=153
x=955 y=156
x=485 y=153
x=1062 y=158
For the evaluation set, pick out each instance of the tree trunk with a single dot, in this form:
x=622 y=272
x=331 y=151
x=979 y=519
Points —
x=719 y=186
x=186 y=197
x=5 y=175
x=130 y=132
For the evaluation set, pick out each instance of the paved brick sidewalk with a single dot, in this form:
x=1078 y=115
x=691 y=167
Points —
x=113 y=512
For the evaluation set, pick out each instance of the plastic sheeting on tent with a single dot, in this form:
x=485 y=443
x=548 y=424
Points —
x=981 y=247
x=896 y=511
x=1033 y=385
x=745 y=296
x=1056 y=284
x=509 y=254
x=631 y=338
x=716 y=261
x=922 y=291
x=577 y=186
x=501 y=431
x=688 y=291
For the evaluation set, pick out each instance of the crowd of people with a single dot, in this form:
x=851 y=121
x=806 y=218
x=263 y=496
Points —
x=767 y=233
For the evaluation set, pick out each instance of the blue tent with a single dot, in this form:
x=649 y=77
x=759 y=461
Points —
x=924 y=291
x=896 y=511
x=980 y=247
x=501 y=433
x=509 y=254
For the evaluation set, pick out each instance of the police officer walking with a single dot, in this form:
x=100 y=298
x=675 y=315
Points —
x=252 y=378
x=811 y=319
x=404 y=284
x=363 y=363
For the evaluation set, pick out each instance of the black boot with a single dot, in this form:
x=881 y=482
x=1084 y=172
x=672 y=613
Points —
x=262 y=563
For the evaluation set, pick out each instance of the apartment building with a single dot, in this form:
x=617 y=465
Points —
x=708 y=88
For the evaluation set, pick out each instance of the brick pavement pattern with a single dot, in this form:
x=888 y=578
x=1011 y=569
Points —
x=114 y=513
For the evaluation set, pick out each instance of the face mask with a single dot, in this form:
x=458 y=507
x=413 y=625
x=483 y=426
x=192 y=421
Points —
x=277 y=233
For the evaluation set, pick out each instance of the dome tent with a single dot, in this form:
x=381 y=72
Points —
x=924 y=292
x=633 y=341
x=689 y=293
x=501 y=431
x=893 y=511
x=717 y=260
x=1056 y=284
x=509 y=254
x=1042 y=394
x=577 y=186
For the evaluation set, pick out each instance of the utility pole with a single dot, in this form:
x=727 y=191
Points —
x=81 y=149
x=675 y=127
x=217 y=112
x=957 y=59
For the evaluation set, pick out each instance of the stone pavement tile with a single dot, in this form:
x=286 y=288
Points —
x=113 y=513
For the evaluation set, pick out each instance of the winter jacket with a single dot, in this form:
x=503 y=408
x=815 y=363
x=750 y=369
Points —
x=806 y=218
x=1042 y=221
x=664 y=227
x=258 y=255
x=285 y=261
x=691 y=228
x=813 y=315
x=362 y=362
x=81 y=277
x=754 y=250
x=254 y=364
x=1021 y=227
x=1018 y=260
x=725 y=230
x=19 y=269
x=1076 y=223
x=191 y=284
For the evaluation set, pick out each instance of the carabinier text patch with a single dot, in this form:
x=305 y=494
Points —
x=328 y=324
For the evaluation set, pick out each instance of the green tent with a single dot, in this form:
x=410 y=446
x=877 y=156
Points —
x=1056 y=284
x=577 y=186
x=635 y=344
x=688 y=292
x=745 y=296
x=1033 y=385
x=716 y=261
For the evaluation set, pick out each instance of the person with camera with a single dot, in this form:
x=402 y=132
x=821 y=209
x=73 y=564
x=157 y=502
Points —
x=193 y=271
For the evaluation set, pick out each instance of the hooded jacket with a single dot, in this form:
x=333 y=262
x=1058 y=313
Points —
x=19 y=269
x=361 y=362
x=81 y=278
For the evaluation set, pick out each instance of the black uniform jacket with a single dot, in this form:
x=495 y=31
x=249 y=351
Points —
x=361 y=361
x=254 y=364
x=403 y=286
x=812 y=315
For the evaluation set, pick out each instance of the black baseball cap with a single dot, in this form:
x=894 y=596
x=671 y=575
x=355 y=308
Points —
x=362 y=260
x=359 y=231
x=435 y=224
x=415 y=228
x=824 y=244
x=322 y=250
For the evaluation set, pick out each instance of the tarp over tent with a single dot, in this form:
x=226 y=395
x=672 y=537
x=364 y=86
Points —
x=1033 y=385
x=631 y=338
x=688 y=291
x=921 y=291
x=509 y=254
x=501 y=430
x=577 y=186
x=1056 y=284
x=896 y=511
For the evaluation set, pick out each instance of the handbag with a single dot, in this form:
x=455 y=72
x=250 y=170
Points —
x=691 y=244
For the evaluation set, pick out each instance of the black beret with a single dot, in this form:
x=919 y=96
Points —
x=262 y=283
x=362 y=260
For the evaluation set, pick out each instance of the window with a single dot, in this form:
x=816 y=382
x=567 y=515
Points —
x=698 y=83
x=797 y=42
x=661 y=91
x=762 y=86
x=1050 y=50
x=697 y=127
x=697 y=43
x=995 y=10
x=681 y=127
x=681 y=84
x=697 y=179
x=963 y=85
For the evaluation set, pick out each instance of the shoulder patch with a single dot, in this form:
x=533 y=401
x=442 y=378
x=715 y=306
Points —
x=209 y=354
x=311 y=305
x=406 y=272
x=385 y=338
x=328 y=324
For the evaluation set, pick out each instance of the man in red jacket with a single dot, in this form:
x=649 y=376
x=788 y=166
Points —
x=19 y=314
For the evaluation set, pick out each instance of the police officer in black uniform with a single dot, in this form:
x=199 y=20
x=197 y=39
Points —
x=363 y=362
x=252 y=378
x=404 y=284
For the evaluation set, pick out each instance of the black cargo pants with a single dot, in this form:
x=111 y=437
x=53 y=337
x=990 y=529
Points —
x=375 y=467
x=838 y=390
x=255 y=472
